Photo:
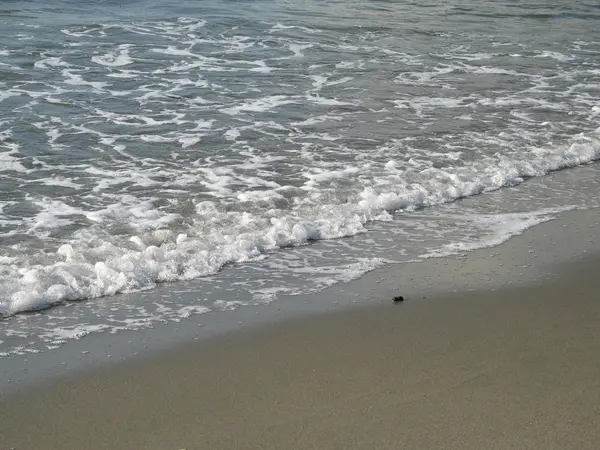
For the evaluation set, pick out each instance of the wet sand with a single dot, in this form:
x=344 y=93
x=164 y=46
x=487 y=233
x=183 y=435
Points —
x=517 y=367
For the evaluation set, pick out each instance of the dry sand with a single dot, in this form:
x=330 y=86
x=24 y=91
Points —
x=513 y=368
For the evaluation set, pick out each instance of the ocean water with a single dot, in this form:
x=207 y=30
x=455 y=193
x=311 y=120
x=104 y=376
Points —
x=253 y=149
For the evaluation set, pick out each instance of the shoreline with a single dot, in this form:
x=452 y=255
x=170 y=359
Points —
x=489 y=358
x=521 y=260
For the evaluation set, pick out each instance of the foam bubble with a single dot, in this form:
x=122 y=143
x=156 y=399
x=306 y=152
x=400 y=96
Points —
x=496 y=229
x=49 y=62
x=259 y=105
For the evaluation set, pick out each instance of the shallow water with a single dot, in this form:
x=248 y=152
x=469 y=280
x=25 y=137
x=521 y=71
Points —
x=149 y=142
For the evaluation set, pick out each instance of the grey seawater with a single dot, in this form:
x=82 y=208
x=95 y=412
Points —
x=228 y=147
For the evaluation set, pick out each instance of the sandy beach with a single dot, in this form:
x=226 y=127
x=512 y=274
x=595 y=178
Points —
x=210 y=210
x=515 y=367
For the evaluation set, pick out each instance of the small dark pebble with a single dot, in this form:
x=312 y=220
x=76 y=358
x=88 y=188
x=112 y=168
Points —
x=399 y=298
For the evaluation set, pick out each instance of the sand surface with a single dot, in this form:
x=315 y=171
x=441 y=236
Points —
x=511 y=369
x=517 y=367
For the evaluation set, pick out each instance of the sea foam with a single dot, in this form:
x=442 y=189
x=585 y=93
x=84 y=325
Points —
x=92 y=265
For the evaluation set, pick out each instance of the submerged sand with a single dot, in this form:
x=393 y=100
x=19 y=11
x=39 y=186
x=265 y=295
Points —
x=517 y=367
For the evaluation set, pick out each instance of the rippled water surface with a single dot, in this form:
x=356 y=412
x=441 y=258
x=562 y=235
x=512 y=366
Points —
x=149 y=141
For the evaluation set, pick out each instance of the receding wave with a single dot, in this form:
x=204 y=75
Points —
x=93 y=264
